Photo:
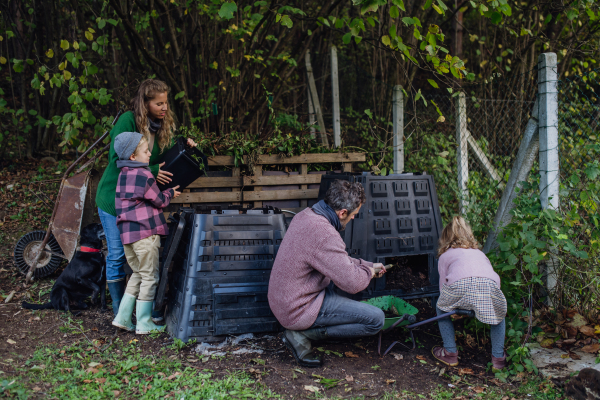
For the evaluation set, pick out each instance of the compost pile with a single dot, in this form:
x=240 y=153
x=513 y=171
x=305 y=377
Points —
x=408 y=273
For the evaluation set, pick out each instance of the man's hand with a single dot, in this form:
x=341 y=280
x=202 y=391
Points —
x=378 y=269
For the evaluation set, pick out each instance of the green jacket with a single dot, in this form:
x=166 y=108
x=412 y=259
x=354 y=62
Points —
x=105 y=196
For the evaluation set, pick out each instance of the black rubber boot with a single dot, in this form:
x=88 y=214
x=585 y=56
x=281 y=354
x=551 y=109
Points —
x=117 y=290
x=299 y=344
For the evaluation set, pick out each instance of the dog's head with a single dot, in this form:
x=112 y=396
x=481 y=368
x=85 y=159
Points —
x=92 y=236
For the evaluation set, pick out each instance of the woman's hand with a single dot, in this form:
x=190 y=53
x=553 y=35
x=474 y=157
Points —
x=163 y=177
x=175 y=192
x=191 y=143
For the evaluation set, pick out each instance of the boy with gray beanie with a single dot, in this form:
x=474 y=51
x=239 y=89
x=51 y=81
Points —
x=140 y=220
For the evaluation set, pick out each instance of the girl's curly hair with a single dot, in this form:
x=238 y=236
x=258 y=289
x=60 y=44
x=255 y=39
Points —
x=457 y=234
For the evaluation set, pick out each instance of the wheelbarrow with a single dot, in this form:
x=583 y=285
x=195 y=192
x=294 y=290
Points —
x=39 y=253
x=406 y=317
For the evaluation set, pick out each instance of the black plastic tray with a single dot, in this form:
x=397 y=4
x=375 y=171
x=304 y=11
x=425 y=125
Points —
x=185 y=163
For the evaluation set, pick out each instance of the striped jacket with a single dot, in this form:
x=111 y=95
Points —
x=139 y=205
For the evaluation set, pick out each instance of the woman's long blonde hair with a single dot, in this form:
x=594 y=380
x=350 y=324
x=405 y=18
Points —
x=139 y=104
x=457 y=234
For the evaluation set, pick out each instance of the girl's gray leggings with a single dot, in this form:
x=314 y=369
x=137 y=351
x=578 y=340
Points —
x=447 y=332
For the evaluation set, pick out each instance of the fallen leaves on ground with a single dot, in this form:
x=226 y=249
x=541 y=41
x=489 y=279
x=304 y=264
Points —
x=577 y=320
x=420 y=358
x=390 y=381
x=547 y=343
x=465 y=371
x=173 y=376
x=398 y=356
x=349 y=378
x=312 y=389
x=587 y=330
x=10 y=341
x=350 y=354
x=574 y=356
x=478 y=389
x=591 y=348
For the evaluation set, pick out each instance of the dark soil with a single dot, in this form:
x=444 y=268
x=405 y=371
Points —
x=409 y=273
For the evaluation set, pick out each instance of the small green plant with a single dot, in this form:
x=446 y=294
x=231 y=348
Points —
x=179 y=344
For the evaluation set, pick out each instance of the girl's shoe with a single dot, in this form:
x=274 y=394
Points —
x=499 y=362
x=123 y=318
x=443 y=355
x=143 y=312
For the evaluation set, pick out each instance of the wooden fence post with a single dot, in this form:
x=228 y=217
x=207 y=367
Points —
x=311 y=112
x=315 y=100
x=398 y=120
x=462 y=153
x=337 y=134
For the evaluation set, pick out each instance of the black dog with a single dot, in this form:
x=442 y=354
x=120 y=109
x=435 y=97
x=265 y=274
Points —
x=83 y=277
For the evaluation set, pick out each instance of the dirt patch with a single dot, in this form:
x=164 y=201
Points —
x=355 y=363
x=409 y=273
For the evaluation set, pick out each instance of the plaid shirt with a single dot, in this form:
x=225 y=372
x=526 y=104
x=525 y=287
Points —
x=139 y=205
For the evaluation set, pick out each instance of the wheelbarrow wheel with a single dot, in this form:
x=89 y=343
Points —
x=26 y=249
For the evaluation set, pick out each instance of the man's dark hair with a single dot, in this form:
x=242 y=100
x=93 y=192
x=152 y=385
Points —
x=345 y=195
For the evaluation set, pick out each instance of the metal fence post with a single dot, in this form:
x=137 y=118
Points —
x=548 y=100
x=462 y=152
x=337 y=133
x=398 y=118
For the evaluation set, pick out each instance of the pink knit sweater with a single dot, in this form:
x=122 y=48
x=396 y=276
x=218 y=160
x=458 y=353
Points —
x=311 y=255
x=456 y=264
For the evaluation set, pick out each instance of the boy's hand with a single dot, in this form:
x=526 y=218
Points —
x=175 y=192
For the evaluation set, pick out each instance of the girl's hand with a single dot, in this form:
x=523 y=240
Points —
x=191 y=143
x=175 y=192
x=163 y=177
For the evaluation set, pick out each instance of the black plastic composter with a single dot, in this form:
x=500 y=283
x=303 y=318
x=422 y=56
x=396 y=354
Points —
x=186 y=163
x=221 y=271
x=399 y=224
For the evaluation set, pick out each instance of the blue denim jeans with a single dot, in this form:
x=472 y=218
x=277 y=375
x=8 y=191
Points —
x=115 y=260
x=345 y=318
x=447 y=331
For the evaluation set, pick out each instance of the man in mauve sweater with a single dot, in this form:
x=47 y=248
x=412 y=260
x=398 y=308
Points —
x=311 y=256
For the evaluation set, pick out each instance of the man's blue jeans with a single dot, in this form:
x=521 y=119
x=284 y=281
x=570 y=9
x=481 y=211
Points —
x=115 y=260
x=345 y=318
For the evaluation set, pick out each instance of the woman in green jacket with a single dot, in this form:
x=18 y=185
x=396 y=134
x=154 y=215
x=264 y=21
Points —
x=151 y=117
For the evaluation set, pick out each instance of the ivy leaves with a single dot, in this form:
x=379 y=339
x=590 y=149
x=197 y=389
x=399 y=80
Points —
x=227 y=10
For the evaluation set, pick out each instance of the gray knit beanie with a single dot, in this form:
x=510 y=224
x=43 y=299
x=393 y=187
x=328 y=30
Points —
x=126 y=143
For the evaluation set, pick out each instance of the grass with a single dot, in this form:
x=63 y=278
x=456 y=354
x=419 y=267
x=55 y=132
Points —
x=118 y=369
x=121 y=370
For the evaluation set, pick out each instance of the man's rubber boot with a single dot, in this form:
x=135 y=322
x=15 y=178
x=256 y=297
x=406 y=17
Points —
x=143 y=313
x=299 y=344
x=123 y=318
x=158 y=316
x=117 y=290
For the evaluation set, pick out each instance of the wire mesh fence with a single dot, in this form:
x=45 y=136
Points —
x=579 y=154
x=495 y=115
